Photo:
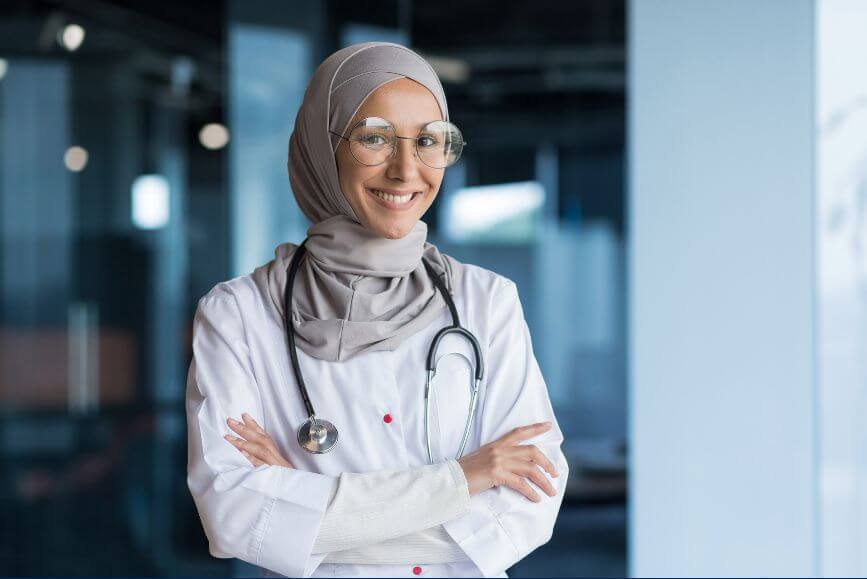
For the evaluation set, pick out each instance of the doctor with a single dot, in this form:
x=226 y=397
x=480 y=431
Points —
x=312 y=448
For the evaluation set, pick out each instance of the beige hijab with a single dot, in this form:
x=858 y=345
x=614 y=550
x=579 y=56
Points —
x=354 y=291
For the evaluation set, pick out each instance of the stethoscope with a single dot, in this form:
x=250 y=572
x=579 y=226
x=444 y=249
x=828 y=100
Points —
x=319 y=436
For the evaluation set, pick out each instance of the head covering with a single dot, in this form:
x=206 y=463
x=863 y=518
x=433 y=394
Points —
x=354 y=290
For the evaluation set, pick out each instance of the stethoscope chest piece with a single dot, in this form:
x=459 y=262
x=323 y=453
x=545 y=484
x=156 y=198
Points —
x=317 y=436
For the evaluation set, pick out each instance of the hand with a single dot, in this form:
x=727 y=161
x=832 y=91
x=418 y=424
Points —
x=259 y=447
x=505 y=462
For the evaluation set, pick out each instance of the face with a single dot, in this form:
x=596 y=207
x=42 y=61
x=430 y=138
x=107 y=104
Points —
x=408 y=106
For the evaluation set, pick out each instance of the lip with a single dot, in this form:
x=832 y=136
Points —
x=394 y=206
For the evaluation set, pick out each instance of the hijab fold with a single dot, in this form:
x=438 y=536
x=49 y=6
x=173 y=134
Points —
x=354 y=290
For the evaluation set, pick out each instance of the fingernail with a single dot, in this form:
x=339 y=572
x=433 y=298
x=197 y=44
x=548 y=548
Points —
x=232 y=421
x=245 y=415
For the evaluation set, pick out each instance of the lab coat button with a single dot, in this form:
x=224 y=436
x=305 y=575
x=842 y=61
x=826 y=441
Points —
x=416 y=570
x=387 y=418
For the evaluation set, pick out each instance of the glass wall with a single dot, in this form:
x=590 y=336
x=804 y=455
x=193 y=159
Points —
x=143 y=160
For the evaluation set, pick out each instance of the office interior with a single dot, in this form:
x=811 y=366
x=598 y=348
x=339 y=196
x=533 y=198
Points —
x=677 y=188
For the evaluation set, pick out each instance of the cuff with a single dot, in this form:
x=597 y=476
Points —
x=481 y=536
x=460 y=480
x=291 y=523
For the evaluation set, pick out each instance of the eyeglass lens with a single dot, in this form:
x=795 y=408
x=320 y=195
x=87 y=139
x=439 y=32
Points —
x=373 y=140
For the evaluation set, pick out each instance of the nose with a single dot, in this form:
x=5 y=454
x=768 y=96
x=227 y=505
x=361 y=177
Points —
x=402 y=165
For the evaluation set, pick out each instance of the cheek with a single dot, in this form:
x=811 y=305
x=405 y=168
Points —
x=434 y=181
x=358 y=176
x=351 y=176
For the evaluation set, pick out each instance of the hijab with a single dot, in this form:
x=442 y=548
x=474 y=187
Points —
x=354 y=291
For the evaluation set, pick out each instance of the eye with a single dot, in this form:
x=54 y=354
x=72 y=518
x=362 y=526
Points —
x=372 y=140
x=427 y=141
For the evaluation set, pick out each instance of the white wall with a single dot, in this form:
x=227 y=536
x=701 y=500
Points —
x=722 y=288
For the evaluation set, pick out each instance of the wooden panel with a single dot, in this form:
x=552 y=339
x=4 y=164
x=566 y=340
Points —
x=34 y=367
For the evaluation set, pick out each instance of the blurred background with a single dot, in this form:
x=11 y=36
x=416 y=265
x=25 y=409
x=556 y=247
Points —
x=696 y=285
x=143 y=160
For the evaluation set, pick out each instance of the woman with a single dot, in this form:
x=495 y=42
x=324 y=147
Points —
x=366 y=160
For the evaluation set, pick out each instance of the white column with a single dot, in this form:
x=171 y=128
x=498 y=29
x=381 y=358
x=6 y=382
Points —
x=841 y=245
x=724 y=429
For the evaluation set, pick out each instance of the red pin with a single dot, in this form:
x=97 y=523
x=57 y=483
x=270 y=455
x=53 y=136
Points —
x=387 y=420
x=416 y=570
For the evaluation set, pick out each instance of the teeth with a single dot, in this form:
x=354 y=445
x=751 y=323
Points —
x=400 y=200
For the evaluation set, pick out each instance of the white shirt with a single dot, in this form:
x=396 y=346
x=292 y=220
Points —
x=270 y=516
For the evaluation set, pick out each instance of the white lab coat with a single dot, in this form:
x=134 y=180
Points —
x=270 y=515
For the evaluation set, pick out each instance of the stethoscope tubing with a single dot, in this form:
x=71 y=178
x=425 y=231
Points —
x=455 y=328
x=290 y=329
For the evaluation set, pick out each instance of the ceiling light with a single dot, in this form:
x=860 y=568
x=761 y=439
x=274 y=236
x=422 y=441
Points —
x=71 y=36
x=214 y=136
x=75 y=158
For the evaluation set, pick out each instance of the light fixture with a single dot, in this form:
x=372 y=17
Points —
x=150 y=202
x=71 y=36
x=214 y=136
x=75 y=158
x=4 y=66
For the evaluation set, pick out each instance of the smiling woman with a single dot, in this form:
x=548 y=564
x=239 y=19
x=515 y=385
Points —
x=393 y=495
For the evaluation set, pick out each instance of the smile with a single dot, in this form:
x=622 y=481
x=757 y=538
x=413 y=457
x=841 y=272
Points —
x=390 y=201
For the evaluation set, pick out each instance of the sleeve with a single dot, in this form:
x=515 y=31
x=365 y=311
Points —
x=268 y=515
x=373 y=507
x=503 y=526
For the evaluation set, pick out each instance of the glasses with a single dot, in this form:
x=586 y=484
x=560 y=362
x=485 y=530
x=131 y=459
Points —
x=373 y=140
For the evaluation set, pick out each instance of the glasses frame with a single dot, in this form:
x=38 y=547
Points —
x=394 y=149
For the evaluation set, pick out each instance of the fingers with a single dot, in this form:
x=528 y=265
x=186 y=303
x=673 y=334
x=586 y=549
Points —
x=254 y=448
x=255 y=461
x=532 y=472
x=517 y=483
x=249 y=420
x=524 y=432
x=255 y=441
x=258 y=453
x=248 y=431
x=533 y=454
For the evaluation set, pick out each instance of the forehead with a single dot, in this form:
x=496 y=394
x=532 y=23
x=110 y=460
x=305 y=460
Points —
x=403 y=102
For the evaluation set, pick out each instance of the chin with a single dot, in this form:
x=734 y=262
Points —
x=395 y=231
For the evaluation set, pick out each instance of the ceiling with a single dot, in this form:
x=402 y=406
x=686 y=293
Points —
x=555 y=69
